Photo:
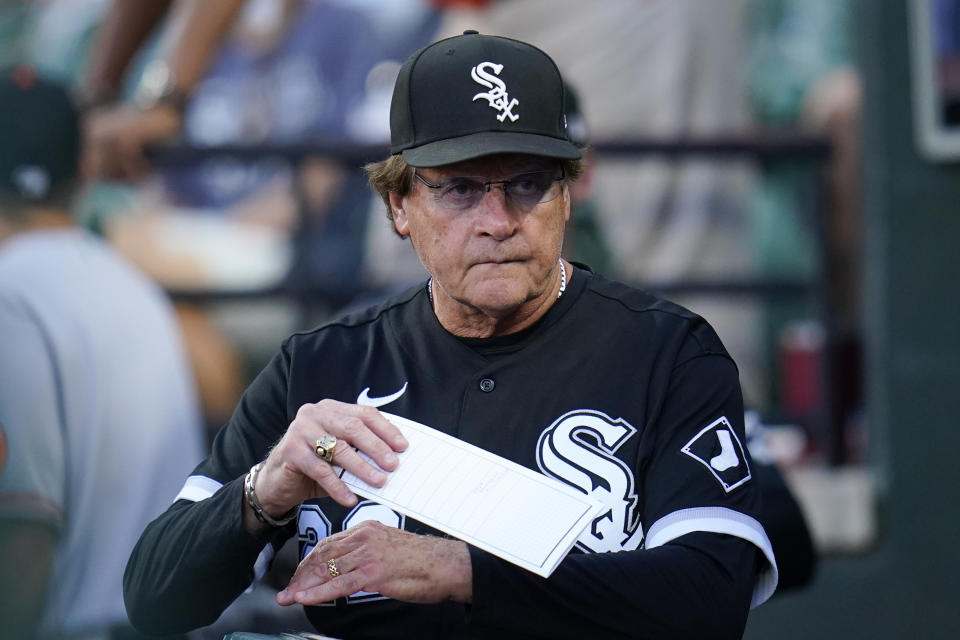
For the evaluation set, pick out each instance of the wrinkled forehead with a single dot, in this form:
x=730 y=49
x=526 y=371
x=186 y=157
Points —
x=494 y=166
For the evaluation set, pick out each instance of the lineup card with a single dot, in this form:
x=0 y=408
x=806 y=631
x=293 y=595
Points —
x=481 y=498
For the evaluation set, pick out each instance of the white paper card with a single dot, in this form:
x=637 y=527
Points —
x=494 y=504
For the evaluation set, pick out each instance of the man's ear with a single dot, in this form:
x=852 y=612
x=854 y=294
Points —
x=400 y=223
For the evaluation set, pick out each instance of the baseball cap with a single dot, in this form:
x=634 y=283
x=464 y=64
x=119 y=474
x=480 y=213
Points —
x=474 y=95
x=40 y=135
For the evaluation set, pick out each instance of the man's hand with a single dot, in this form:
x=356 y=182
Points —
x=116 y=136
x=376 y=558
x=293 y=473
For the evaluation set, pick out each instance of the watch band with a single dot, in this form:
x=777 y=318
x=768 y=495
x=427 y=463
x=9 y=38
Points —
x=158 y=87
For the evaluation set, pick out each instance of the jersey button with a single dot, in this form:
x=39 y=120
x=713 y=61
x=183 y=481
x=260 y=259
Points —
x=487 y=385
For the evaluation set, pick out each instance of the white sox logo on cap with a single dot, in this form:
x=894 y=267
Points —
x=432 y=130
x=497 y=96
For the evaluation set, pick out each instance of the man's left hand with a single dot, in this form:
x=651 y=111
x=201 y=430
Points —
x=376 y=558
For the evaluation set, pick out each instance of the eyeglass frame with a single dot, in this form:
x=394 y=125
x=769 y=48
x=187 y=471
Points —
x=489 y=183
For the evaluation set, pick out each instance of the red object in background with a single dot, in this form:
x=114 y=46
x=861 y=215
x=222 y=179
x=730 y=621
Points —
x=801 y=365
x=25 y=77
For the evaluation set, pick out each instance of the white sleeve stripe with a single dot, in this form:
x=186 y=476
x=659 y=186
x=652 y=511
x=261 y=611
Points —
x=198 y=488
x=720 y=520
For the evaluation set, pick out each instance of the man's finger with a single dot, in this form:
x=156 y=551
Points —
x=326 y=478
x=386 y=430
x=347 y=458
x=338 y=587
x=363 y=428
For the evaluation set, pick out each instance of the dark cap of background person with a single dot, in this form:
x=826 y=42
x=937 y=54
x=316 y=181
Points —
x=39 y=137
x=475 y=95
x=576 y=123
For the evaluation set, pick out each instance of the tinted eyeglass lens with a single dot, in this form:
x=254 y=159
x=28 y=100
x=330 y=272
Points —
x=529 y=189
x=461 y=193
x=525 y=190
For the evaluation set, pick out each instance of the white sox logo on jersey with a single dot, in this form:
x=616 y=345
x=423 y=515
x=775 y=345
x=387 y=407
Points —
x=718 y=448
x=497 y=96
x=578 y=449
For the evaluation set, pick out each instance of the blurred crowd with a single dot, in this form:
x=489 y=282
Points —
x=223 y=140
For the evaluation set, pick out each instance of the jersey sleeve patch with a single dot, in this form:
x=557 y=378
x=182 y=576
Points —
x=718 y=448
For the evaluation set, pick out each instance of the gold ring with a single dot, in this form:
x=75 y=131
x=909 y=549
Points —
x=324 y=447
x=332 y=567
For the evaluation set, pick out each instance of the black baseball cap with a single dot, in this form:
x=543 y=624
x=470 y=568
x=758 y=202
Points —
x=39 y=135
x=474 y=95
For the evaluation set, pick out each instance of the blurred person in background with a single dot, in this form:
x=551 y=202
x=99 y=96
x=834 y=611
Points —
x=585 y=240
x=51 y=35
x=255 y=73
x=193 y=32
x=98 y=410
x=288 y=72
x=801 y=74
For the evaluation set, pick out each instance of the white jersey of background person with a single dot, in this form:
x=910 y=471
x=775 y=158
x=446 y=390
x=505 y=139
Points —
x=97 y=405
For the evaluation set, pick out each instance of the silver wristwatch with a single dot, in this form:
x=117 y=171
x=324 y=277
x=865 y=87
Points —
x=158 y=87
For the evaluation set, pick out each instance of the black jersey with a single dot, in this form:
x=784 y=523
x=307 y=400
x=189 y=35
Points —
x=621 y=395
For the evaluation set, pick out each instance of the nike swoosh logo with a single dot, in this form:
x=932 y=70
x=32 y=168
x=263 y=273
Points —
x=365 y=400
x=727 y=457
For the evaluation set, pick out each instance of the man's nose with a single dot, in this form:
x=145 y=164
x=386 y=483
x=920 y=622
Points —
x=496 y=215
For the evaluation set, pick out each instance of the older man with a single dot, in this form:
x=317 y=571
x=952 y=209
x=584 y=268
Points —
x=625 y=397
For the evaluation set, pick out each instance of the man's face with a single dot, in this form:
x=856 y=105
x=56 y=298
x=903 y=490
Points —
x=495 y=256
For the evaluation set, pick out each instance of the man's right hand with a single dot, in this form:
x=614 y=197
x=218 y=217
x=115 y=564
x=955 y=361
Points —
x=293 y=473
